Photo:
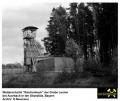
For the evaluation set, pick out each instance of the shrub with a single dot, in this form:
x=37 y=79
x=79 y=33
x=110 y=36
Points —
x=94 y=67
x=73 y=50
x=90 y=65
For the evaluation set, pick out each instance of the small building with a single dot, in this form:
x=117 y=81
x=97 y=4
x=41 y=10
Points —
x=55 y=64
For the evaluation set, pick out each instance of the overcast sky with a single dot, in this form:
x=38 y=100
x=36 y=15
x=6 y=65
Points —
x=14 y=18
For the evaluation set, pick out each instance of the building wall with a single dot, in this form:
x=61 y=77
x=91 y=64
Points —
x=63 y=63
x=46 y=64
x=57 y=64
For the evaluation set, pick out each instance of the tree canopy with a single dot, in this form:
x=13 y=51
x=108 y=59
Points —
x=92 y=26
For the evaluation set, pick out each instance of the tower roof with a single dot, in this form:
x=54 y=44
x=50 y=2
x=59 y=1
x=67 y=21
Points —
x=32 y=28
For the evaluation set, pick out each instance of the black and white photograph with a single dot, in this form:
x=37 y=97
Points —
x=60 y=45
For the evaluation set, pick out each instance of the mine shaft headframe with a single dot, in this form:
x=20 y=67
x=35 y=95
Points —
x=29 y=32
x=32 y=28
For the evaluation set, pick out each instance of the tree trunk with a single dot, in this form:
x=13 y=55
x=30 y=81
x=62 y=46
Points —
x=75 y=65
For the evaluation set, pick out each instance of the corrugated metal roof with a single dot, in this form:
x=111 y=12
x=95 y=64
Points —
x=32 y=28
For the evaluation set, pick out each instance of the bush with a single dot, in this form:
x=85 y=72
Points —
x=99 y=70
x=91 y=65
x=94 y=67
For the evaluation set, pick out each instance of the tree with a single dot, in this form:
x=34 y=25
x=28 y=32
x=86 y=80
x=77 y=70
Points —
x=108 y=31
x=57 y=32
x=91 y=26
x=81 y=27
x=105 y=28
x=74 y=51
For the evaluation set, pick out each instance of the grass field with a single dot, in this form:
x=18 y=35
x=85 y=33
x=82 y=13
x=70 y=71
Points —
x=12 y=71
x=16 y=78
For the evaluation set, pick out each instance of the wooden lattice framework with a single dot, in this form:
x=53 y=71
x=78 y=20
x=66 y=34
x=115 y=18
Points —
x=32 y=48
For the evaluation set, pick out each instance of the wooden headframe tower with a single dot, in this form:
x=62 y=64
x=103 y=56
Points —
x=32 y=48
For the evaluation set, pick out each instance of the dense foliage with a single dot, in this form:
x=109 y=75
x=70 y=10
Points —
x=92 y=26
